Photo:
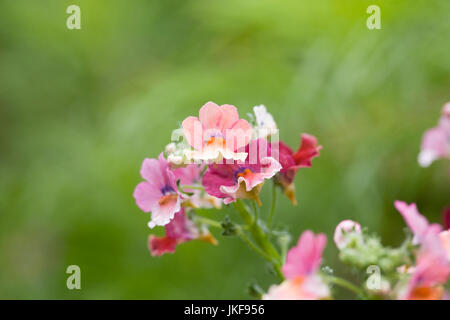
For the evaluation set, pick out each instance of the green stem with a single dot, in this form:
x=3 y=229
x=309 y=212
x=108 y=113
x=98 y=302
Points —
x=253 y=246
x=263 y=243
x=209 y=222
x=255 y=210
x=274 y=202
x=344 y=284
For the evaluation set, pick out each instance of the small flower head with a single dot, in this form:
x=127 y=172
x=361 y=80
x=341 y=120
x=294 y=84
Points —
x=436 y=141
x=158 y=194
x=341 y=238
x=242 y=179
x=217 y=133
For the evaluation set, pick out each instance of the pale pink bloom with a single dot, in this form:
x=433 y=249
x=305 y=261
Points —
x=343 y=227
x=301 y=267
x=242 y=179
x=436 y=141
x=217 y=133
x=432 y=265
x=158 y=194
x=418 y=224
x=179 y=230
x=431 y=271
x=300 y=288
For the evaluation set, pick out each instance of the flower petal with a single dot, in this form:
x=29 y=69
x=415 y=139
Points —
x=210 y=115
x=146 y=195
x=162 y=214
x=415 y=221
x=306 y=257
x=193 y=131
x=161 y=245
x=229 y=117
x=308 y=150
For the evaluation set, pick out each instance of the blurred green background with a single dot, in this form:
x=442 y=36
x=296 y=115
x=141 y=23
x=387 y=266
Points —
x=81 y=109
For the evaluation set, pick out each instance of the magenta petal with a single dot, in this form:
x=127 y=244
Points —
x=181 y=228
x=308 y=150
x=214 y=178
x=306 y=257
x=146 y=195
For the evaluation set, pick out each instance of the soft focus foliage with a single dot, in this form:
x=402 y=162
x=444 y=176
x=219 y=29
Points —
x=80 y=109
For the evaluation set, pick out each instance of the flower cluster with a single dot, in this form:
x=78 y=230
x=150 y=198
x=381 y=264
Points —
x=219 y=159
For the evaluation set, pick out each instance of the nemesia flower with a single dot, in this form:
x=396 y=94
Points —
x=431 y=271
x=344 y=227
x=436 y=141
x=242 y=179
x=179 y=230
x=158 y=194
x=265 y=125
x=291 y=162
x=432 y=264
x=217 y=134
x=301 y=271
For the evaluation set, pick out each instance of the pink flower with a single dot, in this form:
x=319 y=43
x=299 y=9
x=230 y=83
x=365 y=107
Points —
x=432 y=264
x=179 y=230
x=242 y=179
x=436 y=141
x=301 y=271
x=291 y=162
x=218 y=133
x=418 y=224
x=159 y=193
x=431 y=271
x=343 y=227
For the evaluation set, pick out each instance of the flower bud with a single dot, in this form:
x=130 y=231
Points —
x=343 y=228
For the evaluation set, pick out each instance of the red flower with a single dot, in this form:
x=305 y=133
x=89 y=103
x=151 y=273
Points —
x=291 y=162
